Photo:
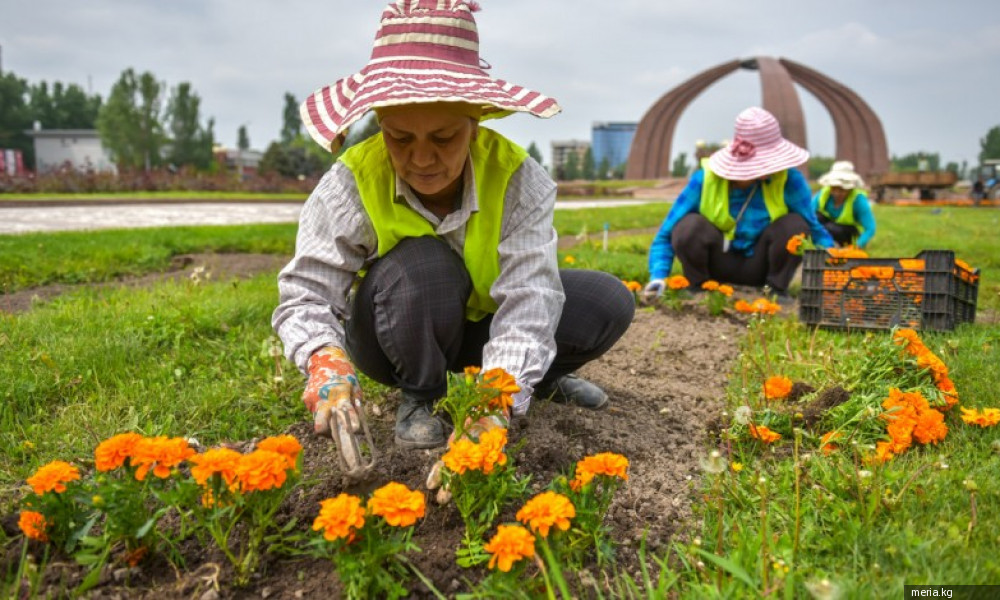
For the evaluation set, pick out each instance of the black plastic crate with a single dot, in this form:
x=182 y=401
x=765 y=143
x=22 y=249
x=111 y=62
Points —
x=929 y=292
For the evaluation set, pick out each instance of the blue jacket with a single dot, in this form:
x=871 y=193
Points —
x=798 y=198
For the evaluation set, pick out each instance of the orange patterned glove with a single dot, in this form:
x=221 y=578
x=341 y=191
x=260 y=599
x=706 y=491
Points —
x=333 y=391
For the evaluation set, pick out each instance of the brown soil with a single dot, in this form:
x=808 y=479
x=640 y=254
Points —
x=666 y=379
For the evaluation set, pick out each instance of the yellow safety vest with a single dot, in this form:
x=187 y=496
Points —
x=715 y=199
x=494 y=161
x=846 y=216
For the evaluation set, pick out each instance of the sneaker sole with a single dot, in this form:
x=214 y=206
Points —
x=414 y=445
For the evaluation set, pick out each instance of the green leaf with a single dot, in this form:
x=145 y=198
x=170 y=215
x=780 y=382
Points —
x=729 y=566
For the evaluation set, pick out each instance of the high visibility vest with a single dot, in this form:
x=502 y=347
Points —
x=715 y=199
x=494 y=161
x=846 y=216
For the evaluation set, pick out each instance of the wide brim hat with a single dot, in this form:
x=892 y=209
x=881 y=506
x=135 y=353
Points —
x=425 y=51
x=842 y=174
x=757 y=150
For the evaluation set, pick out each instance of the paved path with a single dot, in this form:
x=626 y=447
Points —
x=105 y=216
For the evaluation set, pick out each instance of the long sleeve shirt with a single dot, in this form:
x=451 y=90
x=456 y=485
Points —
x=748 y=230
x=863 y=215
x=336 y=239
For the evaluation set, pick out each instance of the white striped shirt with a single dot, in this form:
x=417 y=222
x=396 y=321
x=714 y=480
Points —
x=336 y=239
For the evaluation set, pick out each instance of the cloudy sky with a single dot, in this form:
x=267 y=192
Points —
x=929 y=69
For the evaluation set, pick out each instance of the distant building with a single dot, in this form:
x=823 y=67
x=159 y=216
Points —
x=244 y=162
x=561 y=151
x=80 y=149
x=611 y=141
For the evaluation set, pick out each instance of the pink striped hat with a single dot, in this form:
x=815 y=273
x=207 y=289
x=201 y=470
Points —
x=425 y=51
x=757 y=149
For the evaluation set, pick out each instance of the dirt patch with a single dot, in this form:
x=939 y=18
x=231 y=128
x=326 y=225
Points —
x=182 y=266
x=666 y=378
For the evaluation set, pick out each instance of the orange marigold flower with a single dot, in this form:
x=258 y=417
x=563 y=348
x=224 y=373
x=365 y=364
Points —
x=883 y=452
x=794 y=245
x=112 y=452
x=470 y=373
x=510 y=544
x=710 y=285
x=397 y=504
x=261 y=470
x=988 y=417
x=633 y=286
x=217 y=460
x=546 y=510
x=826 y=442
x=506 y=386
x=726 y=290
x=678 y=282
x=340 y=517
x=605 y=463
x=462 y=456
x=743 y=306
x=847 y=252
x=764 y=434
x=286 y=445
x=161 y=454
x=53 y=477
x=777 y=387
x=33 y=525
x=491 y=446
x=765 y=307
x=949 y=392
x=930 y=428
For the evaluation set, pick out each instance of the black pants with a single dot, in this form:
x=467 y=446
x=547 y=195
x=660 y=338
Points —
x=698 y=246
x=407 y=326
x=844 y=235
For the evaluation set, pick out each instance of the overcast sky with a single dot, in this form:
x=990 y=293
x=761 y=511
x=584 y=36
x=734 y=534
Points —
x=929 y=69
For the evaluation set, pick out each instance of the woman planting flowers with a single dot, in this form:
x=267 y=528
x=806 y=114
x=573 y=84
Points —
x=451 y=224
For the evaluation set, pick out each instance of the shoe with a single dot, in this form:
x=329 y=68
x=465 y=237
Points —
x=570 y=389
x=417 y=426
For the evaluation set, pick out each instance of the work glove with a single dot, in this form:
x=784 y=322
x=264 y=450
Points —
x=472 y=431
x=333 y=392
x=654 y=289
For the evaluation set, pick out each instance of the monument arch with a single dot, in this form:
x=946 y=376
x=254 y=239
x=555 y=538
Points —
x=858 y=130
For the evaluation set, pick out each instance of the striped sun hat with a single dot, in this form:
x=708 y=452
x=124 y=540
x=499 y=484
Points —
x=425 y=51
x=757 y=149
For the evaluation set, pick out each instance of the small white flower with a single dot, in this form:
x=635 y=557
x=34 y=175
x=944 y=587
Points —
x=864 y=474
x=742 y=415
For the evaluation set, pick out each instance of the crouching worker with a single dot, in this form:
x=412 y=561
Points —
x=842 y=206
x=733 y=220
x=446 y=228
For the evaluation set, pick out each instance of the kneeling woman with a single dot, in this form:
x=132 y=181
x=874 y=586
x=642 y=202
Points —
x=451 y=225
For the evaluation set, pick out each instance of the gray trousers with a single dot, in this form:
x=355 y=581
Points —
x=698 y=246
x=407 y=325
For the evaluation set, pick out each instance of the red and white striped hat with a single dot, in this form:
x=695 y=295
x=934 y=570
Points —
x=757 y=149
x=425 y=51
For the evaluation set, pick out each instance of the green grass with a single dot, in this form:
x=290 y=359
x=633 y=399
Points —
x=869 y=529
x=33 y=259
x=174 y=358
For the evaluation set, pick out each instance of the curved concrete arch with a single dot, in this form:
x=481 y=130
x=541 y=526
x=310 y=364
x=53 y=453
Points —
x=861 y=139
x=649 y=157
x=859 y=134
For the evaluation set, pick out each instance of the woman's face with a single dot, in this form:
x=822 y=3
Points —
x=428 y=145
x=838 y=193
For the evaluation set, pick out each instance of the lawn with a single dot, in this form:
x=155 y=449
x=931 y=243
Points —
x=776 y=518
